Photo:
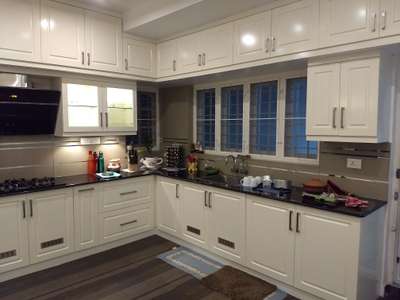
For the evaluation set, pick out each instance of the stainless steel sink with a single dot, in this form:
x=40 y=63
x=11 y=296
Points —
x=224 y=179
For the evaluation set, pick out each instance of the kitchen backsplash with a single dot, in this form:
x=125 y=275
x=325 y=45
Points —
x=38 y=156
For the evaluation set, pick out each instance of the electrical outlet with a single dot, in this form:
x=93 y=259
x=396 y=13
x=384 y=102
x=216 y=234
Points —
x=353 y=163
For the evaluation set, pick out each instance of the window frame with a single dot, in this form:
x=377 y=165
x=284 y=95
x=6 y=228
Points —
x=281 y=78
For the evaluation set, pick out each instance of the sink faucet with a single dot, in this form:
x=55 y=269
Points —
x=239 y=163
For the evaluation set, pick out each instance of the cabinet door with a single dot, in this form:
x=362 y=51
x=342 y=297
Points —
x=166 y=58
x=323 y=86
x=168 y=206
x=104 y=42
x=20 y=30
x=344 y=21
x=326 y=257
x=226 y=225
x=190 y=53
x=81 y=108
x=295 y=27
x=217 y=46
x=250 y=37
x=86 y=201
x=120 y=109
x=359 y=98
x=389 y=17
x=193 y=214
x=13 y=234
x=63 y=34
x=51 y=224
x=270 y=239
x=139 y=57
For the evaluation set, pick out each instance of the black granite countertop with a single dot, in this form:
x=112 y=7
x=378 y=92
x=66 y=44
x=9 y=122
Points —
x=295 y=196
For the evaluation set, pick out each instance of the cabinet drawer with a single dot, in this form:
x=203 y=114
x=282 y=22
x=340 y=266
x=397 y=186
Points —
x=122 y=223
x=126 y=193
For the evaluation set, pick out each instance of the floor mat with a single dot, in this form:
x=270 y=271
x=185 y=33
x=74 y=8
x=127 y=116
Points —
x=238 y=285
x=199 y=266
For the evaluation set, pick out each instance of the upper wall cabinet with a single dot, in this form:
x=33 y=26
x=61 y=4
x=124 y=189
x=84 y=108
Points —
x=390 y=17
x=283 y=30
x=139 y=57
x=63 y=34
x=80 y=38
x=349 y=101
x=344 y=21
x=166 y=58
x=20 y=30
x=206 y=49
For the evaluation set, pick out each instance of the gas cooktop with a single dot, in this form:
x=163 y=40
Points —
x=11 y=186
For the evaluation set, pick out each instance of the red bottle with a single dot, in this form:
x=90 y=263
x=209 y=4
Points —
x=91 y=167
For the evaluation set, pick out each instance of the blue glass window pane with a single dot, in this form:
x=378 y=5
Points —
x=146 y=119
x=263 y=111
x=232 y=118
x=296 y=144
x=206 y=118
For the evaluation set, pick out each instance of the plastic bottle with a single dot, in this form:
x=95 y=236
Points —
x=96 y=162
x=101 y=165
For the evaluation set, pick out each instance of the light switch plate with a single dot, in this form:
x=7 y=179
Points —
x=353 y=163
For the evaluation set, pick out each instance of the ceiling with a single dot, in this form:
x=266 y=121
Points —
x=159 y=19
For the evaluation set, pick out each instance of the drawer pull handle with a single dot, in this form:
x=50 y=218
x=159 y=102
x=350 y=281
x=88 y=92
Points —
x=128 y=193
x=128 y=223
x=193 y=230
x=86 y=190
x=226 y=243
x=8 y=254
x=51 y=243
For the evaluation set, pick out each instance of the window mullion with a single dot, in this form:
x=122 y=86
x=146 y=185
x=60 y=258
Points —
x=246 y=119
x=281 y=118
x=218 y=119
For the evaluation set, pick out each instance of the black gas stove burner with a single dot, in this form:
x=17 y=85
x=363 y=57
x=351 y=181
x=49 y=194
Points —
x=23 y=185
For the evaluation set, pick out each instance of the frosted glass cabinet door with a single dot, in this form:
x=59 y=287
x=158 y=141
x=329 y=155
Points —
x=120 y=109
x=81 y=108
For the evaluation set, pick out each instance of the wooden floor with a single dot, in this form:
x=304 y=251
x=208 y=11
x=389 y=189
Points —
x=128 y=272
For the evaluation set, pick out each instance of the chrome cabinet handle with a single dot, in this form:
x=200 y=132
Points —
x=205 y=199
x=128 y=193
x=101 y=119
x=128 y=223
x=341 y=118
x=267 y=45
x=383 y=19
x=298 y=222
x=199 y=60
x=106 y=115
x=273 y=44
x=31 y=207
x=23 y=209
x=334 y=117
x=203 y=59
x=126 y=64
x=174 y=65
x=83 y=57
x=177 y=191
x=373 y=28
x=209 y=200
x=290 y=220
x=88 y=59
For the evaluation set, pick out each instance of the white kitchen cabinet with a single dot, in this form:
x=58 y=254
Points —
x=51 y=228
x=350 y=101
x=389 y=16
x=86 y=201
x=13 y=234
x=217 y=46
x=193 y=214
x=168 y=198
x=323 y=92
x=139 y=57
x=295 y=27
x=103 y=42
x=343 y=21
x=327 y=256
x=190 y=53
x=96 y=108
x=63 y=34
x=270 y=238
x=167 y=53
x=226 y=215
x=20 y=30
x=252 y=37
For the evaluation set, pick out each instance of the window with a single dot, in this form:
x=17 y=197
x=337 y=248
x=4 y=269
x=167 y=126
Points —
x=296 y=144
x=206 y=118
x=232 y=118
x=263 y=112
x=147 y=120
